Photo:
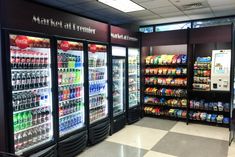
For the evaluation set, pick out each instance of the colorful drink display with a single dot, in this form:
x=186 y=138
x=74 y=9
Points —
x=70 y=82
x=97 y=82
x=31 y=91
x=134 y=80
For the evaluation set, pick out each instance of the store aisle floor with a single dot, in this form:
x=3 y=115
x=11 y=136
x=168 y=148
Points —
x=163 y=138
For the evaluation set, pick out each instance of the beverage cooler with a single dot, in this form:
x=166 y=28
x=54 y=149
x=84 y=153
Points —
x=133 y=107
x=71 y=105
x=118 y=107
x=29 y=93
x=99 y=123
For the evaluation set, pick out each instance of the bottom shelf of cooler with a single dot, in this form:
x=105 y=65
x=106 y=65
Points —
x=62 y=133
x=100 y=118
x=20 y=152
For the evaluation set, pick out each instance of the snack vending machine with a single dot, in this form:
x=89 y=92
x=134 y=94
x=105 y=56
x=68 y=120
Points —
x=30 y=103
x=99 y=123
x=220 y=73
x=118 y=88
x=133 y=106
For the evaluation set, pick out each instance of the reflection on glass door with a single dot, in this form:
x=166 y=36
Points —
x=118 y=86
x=134 y=77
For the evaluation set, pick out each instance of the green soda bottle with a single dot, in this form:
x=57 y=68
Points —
x=15 y=122
x=19 y=115
x=24 y=121
x=30 y=119
x=78 y=76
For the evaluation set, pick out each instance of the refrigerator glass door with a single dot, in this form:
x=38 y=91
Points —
x=31 y=91
x=118 y=86
x=98 y=87
x=71 y=86
x=134 y=77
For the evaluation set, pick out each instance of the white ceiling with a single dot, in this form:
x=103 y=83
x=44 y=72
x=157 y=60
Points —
x=157 y=11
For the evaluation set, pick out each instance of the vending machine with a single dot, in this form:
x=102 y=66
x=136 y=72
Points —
x=119 y=79
x=99 y=123
x=30 y=97
x=71 y=98
x=133 y=107
x=220 y=73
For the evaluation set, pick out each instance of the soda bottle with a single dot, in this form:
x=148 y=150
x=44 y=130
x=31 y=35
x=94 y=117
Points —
x=18 y=81
x=45 y=60
x=13 y=81
x=33 y=80
x=39 y=116
x=24 y=120
x=37 y=60
x=16 y=142
x=41 y=78
x=61 y=109
x=34 y=117
x=14 y=102
x=23 y=80
x=45 y=78
x=13 y=58
x=41 y=65
x=30 y=119
x=17 y=59
x=23 y=59
x=59 y=61
x=18 y=101
x=60 y=77
x=19 y=118
x=37 y=79
x=27 y=60
x=24 y=101
x=15 y=122
x=77 y=62
x=63 y=59
x=30 y=137
x=20 y=141
x=63 y=76
x=25 y=139
x=34 y=136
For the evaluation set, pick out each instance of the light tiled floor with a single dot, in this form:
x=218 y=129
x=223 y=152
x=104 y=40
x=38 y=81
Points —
x=163 y=138
x=136 y=136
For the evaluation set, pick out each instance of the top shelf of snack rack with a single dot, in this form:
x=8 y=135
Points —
x=166 y=60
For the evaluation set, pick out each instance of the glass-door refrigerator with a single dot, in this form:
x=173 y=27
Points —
x=118 y=118
x=71 y=110
x=30 y=103
x=98 y=92
x=133 y=107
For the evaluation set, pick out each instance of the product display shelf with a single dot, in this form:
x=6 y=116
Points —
x=176 y=75
x=209 y=123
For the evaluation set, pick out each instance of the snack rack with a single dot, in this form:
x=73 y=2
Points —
x=165 y=93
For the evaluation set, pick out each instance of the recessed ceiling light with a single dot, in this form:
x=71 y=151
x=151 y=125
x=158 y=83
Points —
x=123 y=5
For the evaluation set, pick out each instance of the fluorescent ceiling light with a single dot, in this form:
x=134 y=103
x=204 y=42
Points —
x=123 y=5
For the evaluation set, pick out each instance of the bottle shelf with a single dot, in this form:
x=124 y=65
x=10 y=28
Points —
x=70 y=99
x=30 y=109
x=165 y=106
x=29 y=70
x=32 y=127
x=77 y=68
x=170 y=96
x=94 y=107
x=167 y=86
x=166 y=65
x=101 y=80
x=70 y=84
x=31 y=89
x=168 y=76
x=98 y=119
x=70 y=114
x=209 y=111
x=101 y=67
x=98 y=93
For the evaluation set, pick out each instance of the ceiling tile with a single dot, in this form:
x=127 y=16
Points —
x=225 y=13
x=141 y=13
x=220 y=2
x=184 y=2
x=139 y=1
x=168 y=9
x=198 y=11
x=155 y=4
x=179 y=13
x=223 y=8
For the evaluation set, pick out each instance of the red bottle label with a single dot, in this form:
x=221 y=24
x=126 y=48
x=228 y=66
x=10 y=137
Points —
x=22 y=41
